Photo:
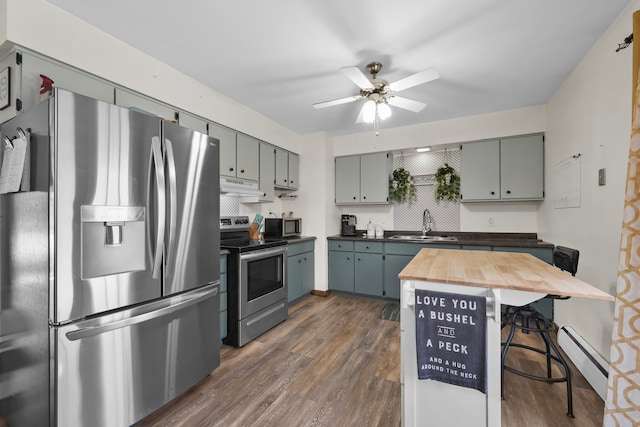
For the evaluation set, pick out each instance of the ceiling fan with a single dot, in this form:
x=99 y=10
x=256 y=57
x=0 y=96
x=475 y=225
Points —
x=380 y=93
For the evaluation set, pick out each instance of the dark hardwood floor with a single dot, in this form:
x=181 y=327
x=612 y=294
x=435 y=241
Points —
x=334 y=363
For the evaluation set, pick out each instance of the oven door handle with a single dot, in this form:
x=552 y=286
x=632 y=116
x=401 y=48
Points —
x=263 y=253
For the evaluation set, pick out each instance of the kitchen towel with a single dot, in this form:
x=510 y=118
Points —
x=451 y=340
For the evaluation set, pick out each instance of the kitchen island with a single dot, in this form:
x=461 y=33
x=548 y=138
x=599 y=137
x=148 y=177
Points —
x=496 y=278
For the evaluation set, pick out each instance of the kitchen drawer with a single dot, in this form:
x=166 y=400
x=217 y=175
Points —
x=341 y=245
x=373 y=247
x=298 y=248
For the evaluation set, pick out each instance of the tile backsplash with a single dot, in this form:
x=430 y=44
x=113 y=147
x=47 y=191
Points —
x=445 y=215
x=229 y=206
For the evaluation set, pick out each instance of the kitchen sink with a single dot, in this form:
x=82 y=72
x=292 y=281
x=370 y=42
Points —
x=423 y=238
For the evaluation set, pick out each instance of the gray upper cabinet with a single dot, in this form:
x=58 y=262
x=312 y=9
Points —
x=347 y=180
x=522 y=168
x=227 y=138
x=239 y=154
x=287 y=170
x=480 y=170
x=133 y=100
x=193 y=122
x=363 y=179
x=267 y=175
x=24 y=81
x=63 y=77
x=506 y=169
x=247 y=157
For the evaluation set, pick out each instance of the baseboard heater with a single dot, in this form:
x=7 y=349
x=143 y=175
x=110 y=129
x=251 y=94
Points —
x=590 y=364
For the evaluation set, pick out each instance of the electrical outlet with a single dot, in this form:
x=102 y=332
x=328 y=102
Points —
x=492 y=221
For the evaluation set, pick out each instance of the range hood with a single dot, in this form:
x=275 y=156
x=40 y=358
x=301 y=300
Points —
x=238 y=187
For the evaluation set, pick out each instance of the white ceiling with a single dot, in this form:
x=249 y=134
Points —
x=279 y=57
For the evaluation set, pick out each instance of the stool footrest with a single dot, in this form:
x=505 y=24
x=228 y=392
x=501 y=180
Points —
x=527 y=319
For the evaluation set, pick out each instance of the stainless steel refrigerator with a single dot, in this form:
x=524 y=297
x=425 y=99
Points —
x=109 y=265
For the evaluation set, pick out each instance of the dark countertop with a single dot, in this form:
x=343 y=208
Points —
x=290 y=240
x=464 y=238
x=294 y=240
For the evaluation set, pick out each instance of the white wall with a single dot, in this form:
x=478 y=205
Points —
x=590 y=114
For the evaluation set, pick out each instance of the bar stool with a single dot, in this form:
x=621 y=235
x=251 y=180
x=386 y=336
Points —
x=528 y=319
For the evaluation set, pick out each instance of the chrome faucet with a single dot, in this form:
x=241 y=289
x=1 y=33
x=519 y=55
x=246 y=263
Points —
x=426 y=222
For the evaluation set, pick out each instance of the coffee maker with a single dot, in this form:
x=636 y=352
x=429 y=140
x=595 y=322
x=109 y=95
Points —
x=348 y=227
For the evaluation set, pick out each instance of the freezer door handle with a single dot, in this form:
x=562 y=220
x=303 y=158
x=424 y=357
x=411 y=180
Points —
x=173 y=198
x=155 y=310
x=156 y=155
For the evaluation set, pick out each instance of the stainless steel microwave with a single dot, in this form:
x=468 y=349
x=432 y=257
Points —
x=282 y=227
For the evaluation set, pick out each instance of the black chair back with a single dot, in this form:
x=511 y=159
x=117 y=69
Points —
x=566 y=259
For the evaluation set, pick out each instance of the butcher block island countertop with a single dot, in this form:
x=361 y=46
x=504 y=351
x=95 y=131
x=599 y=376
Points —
x=506 y=270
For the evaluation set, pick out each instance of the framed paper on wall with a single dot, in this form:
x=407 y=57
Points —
x=5 y=86
x=429 y=179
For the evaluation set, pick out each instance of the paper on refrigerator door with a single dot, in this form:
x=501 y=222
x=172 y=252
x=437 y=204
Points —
x=13 y=165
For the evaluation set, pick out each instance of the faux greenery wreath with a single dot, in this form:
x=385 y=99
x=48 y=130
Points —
x=447 y=183
x=402 y=189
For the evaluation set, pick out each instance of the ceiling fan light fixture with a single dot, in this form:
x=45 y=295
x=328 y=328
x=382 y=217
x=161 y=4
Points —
x=369 y=111
x=384 y=111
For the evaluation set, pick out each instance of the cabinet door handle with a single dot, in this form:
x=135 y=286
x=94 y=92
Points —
x=230 y=169
x=348 y=259
x=358 y=258
x=305 y=259
x=367 y=246
x=364 y=197
x=241 y=170
x=493 y=192
x=354 y=197
x=508 y=191
x=299 y=260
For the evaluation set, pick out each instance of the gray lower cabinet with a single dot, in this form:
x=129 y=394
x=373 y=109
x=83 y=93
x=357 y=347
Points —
x=393 y=265
x=368 y=268
x=300 y=270
x=368 y=274
x=223 y=297
x=372 y=268
x=341 y=265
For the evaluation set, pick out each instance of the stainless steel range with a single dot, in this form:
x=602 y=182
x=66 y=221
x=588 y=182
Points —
x=257 y=281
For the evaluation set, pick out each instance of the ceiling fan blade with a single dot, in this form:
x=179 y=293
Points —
x=357 y=77
x=360 y=118
x=416 y=79
x=407 y=104
x=337 y=101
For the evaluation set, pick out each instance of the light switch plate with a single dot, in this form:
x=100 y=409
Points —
x=602 y=176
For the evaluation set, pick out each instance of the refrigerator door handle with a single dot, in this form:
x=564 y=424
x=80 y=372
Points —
x=156 y=153
x=154 y=311
x=173 y=198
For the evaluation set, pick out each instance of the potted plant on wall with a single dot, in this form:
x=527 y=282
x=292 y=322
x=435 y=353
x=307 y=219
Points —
x=402 y=188
x=447 y=184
